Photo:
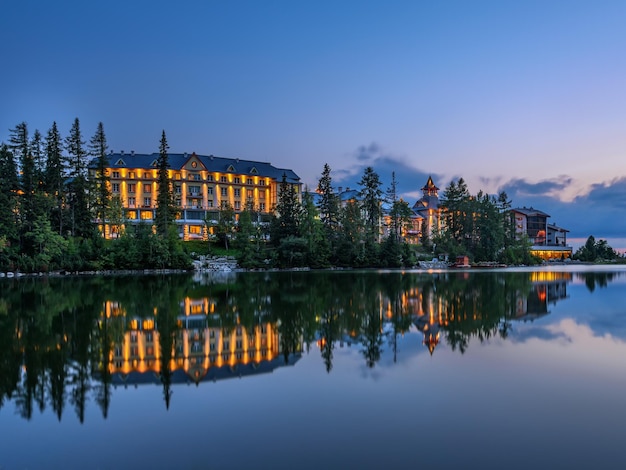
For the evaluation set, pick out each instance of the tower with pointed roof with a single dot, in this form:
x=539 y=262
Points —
x=427 y=208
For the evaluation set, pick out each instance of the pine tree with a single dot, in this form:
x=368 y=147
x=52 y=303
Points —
x=165 y=211
x=328 y=203
x=98 y=149
x=371 y=199
x=54 y=177
x=8 y=205
x=81 y=223
x=285 y=222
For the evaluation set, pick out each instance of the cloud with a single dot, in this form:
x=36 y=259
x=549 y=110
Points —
x=409 y=179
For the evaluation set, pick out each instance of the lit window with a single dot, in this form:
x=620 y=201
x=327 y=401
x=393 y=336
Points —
x=195 y=229
x=131 y=215
x=147 y=188
x=249 y=194
x=262 y=195
x=237 y=205
x=132 y=188
x=131 y=174
x=146 y=215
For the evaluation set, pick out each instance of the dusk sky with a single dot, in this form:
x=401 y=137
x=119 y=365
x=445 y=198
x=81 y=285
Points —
x=529 y=97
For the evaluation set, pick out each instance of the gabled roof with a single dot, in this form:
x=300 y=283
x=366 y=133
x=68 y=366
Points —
x=212 y=164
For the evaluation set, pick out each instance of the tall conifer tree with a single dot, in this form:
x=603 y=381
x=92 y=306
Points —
x=165 y=210
x=98 y=149
x=54 y=176
x=81 y=223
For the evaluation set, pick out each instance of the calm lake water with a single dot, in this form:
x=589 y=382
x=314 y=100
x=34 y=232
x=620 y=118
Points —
x=451 y=369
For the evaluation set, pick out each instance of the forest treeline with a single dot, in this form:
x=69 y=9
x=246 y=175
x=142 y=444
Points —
x=50 y=209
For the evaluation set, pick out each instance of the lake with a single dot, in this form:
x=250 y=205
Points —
x=344 y=369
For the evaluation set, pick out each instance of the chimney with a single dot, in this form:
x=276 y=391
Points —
x=121 y=152
x=339 y=189
x=132 y=152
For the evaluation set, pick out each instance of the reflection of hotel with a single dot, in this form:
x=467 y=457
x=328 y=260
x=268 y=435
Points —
x=548 y=287
x=200 y=352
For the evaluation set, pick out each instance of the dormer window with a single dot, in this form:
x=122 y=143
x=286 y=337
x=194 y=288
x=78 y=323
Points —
x=230 y=168
x=120 y=162
x=254 y=171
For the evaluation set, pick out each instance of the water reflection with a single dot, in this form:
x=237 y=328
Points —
x=65 y=342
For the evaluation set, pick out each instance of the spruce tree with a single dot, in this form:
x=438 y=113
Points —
x=371 y=199
x=165 y=210
x=102 y=199
x=285 y=222
x=328 y=202
x=54 y=177
x=81 y=222
x=8 y=205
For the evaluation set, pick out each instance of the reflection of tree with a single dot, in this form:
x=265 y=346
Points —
x=599 y=279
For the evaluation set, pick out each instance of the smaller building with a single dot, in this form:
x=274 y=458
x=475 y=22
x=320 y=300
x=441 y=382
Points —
x=549 y=242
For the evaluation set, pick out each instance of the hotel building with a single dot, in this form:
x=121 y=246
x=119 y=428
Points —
x=201 y=185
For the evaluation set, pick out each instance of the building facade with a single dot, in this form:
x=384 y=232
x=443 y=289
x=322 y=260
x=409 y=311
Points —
x=201 y=186
x=548 y=241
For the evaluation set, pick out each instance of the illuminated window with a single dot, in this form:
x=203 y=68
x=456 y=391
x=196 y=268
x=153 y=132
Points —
x=177 y=176
x=131 y=215
x=146 y=215
x=195 y=229
x=237 y=205
x=262 y=195
x=249 y=194
x=131 y=175
x=131 y=187
x=147 y=188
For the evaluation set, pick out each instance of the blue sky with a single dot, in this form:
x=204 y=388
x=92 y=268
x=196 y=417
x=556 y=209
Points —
x=523 y=96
